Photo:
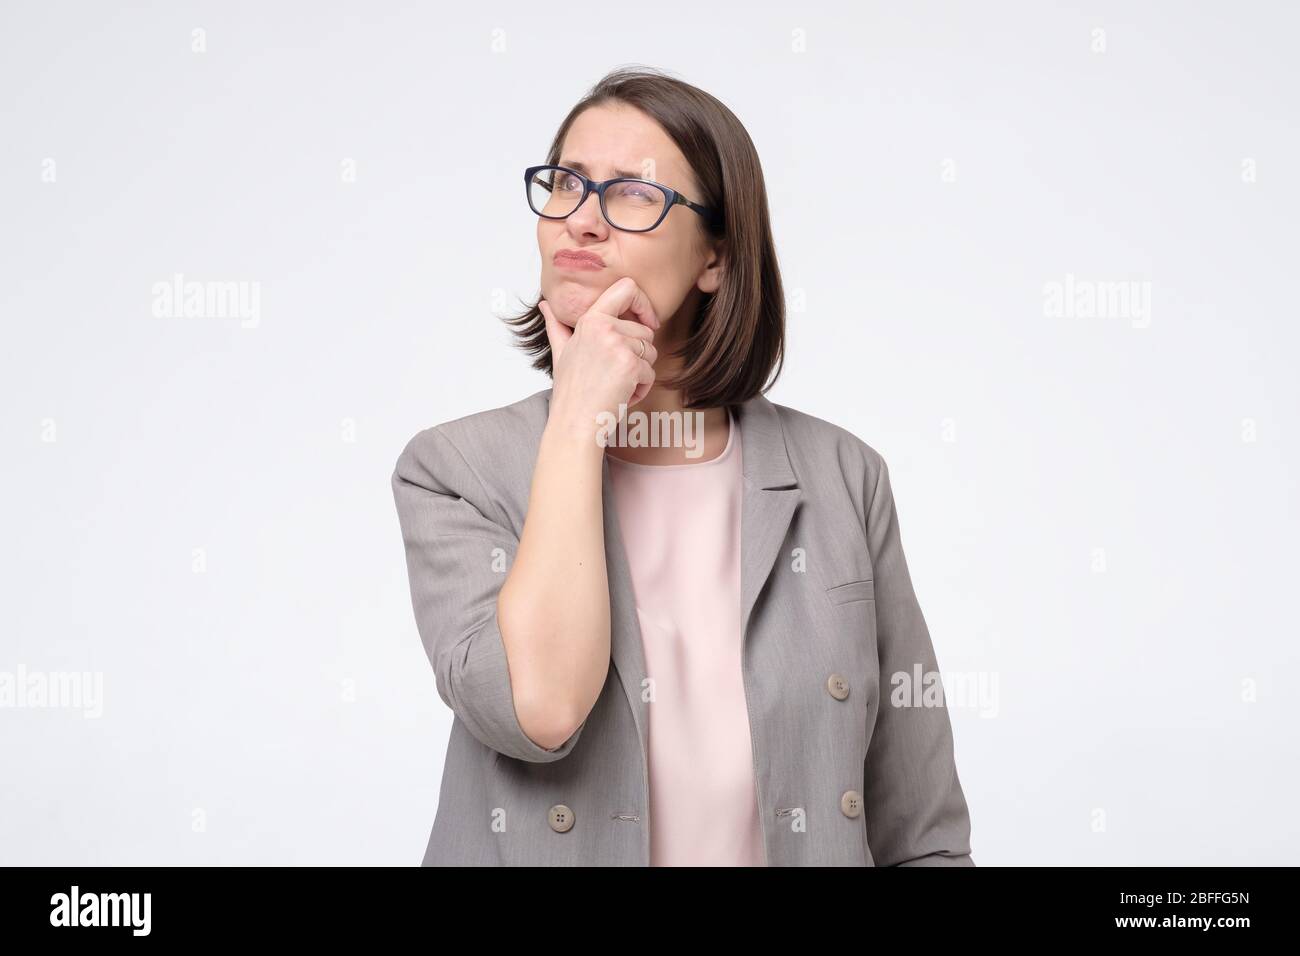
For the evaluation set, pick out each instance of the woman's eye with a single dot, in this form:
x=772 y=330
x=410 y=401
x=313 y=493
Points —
x=636 y=192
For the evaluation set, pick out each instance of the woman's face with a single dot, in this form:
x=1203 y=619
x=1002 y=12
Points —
x=673 y=263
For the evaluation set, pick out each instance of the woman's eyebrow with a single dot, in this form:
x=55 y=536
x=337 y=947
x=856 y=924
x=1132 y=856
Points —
x=582 y=168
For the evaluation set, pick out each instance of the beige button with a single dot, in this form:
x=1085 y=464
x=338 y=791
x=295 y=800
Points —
x=851 y=803
x=561 y=818
x=838 y=686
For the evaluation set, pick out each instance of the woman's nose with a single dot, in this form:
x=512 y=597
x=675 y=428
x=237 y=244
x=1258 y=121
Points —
x=587 y=217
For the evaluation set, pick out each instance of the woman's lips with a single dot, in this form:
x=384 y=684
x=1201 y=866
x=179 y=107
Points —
x=578 y=260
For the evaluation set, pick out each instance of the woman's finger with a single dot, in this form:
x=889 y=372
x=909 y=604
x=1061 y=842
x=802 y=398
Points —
x=645 y=377
x=556 y=331
x=625 y=297
x=650 y=355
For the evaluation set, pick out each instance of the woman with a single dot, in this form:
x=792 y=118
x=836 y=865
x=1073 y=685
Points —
x=669 y=652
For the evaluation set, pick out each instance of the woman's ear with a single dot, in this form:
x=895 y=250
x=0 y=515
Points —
x=715 y=265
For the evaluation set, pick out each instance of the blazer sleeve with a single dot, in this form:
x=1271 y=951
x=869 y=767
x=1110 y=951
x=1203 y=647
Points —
x=915 y=810
x=456 y=559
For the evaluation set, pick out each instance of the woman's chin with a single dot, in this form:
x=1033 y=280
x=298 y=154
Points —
x=571 y=299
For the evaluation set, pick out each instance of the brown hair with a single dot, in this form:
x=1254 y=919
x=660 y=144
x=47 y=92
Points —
x=736 y=342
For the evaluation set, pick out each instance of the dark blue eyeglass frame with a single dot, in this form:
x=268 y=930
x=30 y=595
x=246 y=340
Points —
x=675 y=198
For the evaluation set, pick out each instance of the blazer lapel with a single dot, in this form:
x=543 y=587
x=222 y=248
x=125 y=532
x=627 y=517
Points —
x=769 y=499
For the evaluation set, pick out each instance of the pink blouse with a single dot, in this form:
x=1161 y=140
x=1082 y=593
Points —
x=681 y=529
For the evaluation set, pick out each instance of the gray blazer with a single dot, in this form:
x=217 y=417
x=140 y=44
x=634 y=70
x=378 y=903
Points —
x=845 y=775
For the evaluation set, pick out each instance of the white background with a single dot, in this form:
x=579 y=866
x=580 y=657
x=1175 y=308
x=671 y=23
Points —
x=1099 y=516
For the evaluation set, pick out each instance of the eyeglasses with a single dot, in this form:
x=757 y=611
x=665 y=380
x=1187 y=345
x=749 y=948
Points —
x=632 y=205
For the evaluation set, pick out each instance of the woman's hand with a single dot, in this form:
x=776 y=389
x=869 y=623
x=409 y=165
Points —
x=598 y=364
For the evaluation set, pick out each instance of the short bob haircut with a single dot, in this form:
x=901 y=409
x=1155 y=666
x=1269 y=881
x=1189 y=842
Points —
x=734 y=348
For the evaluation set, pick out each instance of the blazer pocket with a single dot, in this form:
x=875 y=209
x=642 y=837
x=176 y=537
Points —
x=852 y=591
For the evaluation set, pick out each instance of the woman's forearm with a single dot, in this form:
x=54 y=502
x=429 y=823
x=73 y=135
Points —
x=553 y=609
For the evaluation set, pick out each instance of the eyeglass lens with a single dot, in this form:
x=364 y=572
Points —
x=632 y=204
